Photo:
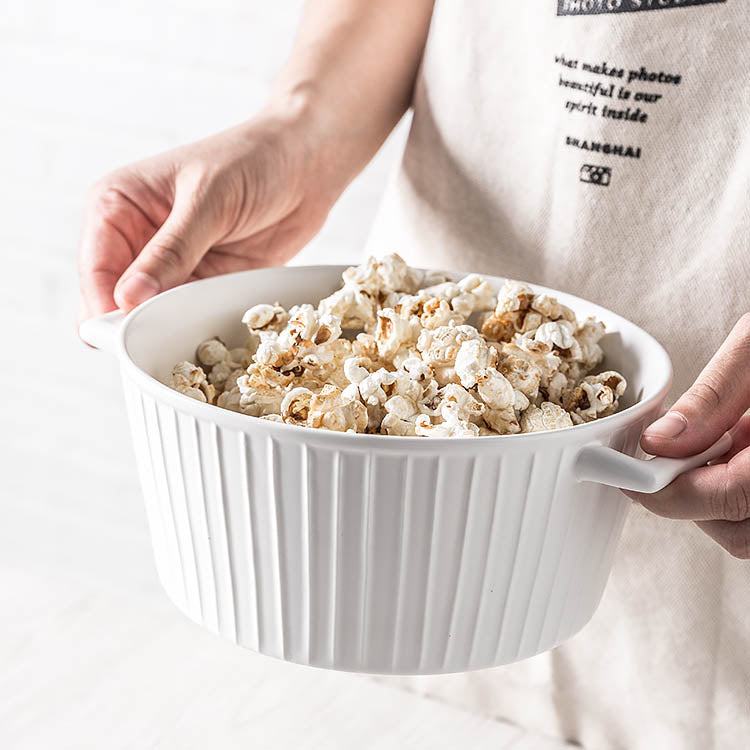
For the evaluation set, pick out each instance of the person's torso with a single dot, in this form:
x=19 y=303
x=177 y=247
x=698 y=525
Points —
x=602 y=147
x=603 y=153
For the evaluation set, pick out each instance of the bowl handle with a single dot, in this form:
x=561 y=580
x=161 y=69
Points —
x=102 y=332
x=597 y=463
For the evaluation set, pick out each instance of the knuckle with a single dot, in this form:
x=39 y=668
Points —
x=168 y=250
x=718 y=502
x=197 y=180
x=104 y=198
x=732 y=507
x=735 y=498
x=705 y=396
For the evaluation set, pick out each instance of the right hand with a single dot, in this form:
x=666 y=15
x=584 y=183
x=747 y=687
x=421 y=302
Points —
x=248 y=197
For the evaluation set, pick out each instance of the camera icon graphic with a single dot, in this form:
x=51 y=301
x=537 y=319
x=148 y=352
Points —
x=596 y=175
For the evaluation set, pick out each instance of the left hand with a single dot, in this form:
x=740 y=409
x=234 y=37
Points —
x=716 y=497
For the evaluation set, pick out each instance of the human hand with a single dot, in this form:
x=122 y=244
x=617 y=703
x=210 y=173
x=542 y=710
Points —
x=716 y=497
x=248 y=197
x=254 y=195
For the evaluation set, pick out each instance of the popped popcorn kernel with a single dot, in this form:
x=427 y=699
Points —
x=330 y=411
x=392 y=352
x=546 y=416
x=211 y=352
x=265 y=318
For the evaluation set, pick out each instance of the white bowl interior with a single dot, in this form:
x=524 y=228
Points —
x=168 y=328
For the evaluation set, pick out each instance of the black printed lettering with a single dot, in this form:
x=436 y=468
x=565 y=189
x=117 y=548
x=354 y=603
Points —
x=597 y=7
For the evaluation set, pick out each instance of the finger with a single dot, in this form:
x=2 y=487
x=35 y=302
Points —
x=170 y=256
x=113 y=228
x=711 y=406
x=734 y=537
x=716 y=492
x=98 y=294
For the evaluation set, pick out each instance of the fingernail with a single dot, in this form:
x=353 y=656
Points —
x=138 y=287
x=668 y=426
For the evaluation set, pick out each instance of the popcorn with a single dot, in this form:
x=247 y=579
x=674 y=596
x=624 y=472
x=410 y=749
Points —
x=372 y=389
x=324 y=362
x=404 y=385
x=555 y=387
x=365 y=345
x=440 y=347
x=401 y=407
x=416 y=369
x=394 y=425
x=522 y=374
x=558 y=336
x=430 y=401
x=260 y=400
x=437 y=312
x=302 y=325
x=295 y=406
x=519 y=310
x=595 y=396
x=265 y=318
x=271 y=353
x=307 y=327
x=485 y=431
x=392 y=333
x=219 y=374
x=443 y=290
x=550 y=308
x=501 y=400
x=191 y=381
x=495 y=390
x=503 y=421
x=354 y=370
x=425 y=428
x=475 y=295
x=240 y=357
x=230 y=400
x=547 y=416
x=222 y=363
x=211 y=352
x=473 y=358
x=389 y=274
x=458 y=405
x=355 y=308
x=185 y=374
x=415 y=366
x=536 y=353
x=196 y=393
x=328 y=410
x=587 y=335
x=515 y=296
x=400 y=418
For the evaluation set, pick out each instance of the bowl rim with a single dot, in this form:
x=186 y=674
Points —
x=239 y=422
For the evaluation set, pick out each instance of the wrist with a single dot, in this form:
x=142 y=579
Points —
x=336 y=146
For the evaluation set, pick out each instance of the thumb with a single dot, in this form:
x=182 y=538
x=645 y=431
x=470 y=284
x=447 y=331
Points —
x=714 y=403
x=169 y=257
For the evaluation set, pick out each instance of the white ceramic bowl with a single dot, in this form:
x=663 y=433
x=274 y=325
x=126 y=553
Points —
x=373 y=553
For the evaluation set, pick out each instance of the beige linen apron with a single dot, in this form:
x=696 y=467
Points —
x=602 y=147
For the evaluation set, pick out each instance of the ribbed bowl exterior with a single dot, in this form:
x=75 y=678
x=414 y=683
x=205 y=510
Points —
x=324 y=553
